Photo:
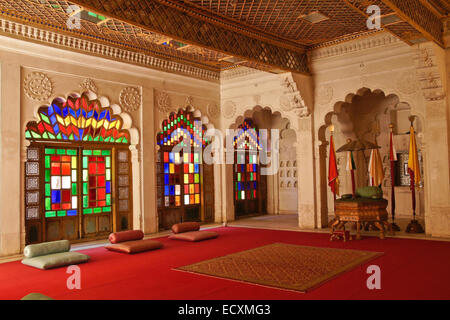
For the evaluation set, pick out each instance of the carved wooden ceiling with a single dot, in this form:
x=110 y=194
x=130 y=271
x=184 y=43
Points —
x=272 y=35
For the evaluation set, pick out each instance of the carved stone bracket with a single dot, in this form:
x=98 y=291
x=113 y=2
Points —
x=428 y=75
x=291 y=99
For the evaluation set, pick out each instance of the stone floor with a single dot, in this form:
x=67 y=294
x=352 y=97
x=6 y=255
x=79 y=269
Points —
x=289 y=222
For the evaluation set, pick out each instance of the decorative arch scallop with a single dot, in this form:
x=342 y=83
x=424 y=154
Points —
x=78 y=177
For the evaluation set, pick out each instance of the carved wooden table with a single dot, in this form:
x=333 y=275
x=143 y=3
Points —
x=361 y=210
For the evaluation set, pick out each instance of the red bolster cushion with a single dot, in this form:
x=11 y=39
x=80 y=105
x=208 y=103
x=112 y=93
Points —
x=135 y=246
x=194 y=236
x=123 y=236
x=185 y=227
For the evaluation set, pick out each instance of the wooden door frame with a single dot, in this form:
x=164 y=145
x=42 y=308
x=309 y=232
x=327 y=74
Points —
x=41 y=145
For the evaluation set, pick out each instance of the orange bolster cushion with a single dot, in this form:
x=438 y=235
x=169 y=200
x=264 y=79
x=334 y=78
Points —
x=123 y=236
x=135 y=246
x=194 y=236
x=185 y=227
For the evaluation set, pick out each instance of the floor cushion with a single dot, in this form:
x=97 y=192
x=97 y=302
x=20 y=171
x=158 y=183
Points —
x=185 y=227
x=56 y=260
x=194 y=236
x=123 y=236
x=46 y=248
x=36 y=296
x=135 y=246
x=370 y=192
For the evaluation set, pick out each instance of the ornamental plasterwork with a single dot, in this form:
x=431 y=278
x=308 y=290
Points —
x=285 y=104
x=130 y=99
x=164 y=104
x=213 y=110
x=257 y=99
x=325 y=94
x=89 y=84
x=429 y=75
x=109 y=52
x=37 y=86
x=291 y=93
x=229 y=110
x=333 y=49
x=406 y=83
x=189 y=102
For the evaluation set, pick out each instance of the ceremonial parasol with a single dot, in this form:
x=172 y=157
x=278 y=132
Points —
x=355 y=145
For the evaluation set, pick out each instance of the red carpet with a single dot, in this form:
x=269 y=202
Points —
x=410 y=269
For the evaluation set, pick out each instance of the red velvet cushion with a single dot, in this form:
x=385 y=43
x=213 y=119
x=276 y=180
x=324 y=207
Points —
x=185 y=227
x=135 y=246
x=194 y=236
x=123 y=236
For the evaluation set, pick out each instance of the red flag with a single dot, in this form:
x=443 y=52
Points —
x=333 y=175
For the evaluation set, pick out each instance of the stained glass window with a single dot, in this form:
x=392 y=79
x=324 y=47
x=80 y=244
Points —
x=180 y=184
x=61 y=189
x=77 y=119
x=246 y=167
x=96 y=176
x=77 y=150
x=178 y=127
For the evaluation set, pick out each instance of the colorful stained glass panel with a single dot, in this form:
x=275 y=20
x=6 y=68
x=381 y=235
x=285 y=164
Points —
x=60 y=188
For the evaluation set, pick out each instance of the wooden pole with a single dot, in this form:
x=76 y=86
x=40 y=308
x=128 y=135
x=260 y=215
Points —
x=353 y=183
x=393 y=225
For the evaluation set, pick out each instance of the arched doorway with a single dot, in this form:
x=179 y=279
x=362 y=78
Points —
x=78 y=181
x=185 y=185
x=250 y=188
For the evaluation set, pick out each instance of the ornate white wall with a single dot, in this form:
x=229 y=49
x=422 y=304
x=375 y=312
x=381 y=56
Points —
x=414 y=75
x=33 y=75
x=417 y=75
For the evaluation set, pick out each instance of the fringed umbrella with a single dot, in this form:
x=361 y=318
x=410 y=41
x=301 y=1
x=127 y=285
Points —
x=356 y=145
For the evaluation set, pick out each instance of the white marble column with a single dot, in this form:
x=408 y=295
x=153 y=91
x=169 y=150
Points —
x=307 y=213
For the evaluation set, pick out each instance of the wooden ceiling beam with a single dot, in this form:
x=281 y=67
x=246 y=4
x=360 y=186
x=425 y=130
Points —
x=157 y=16
x=420 y=17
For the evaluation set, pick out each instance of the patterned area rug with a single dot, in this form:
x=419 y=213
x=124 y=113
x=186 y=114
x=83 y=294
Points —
x=283 y=266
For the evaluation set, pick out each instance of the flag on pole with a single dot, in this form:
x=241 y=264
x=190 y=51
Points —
x=376 y=172
x=350 y=161
x=333 y=176
x=392 y=158
x=413 y=161
x=392 y=150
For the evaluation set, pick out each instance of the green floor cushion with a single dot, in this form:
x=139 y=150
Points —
x=370 y=192
x=56 y=260
x=46 y=248
x=36 y=296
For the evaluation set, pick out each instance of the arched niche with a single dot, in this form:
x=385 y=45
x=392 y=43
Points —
x=84 y=149
x=365 y=115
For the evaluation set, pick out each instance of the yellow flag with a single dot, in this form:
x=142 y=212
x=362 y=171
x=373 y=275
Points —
x=413 y=161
